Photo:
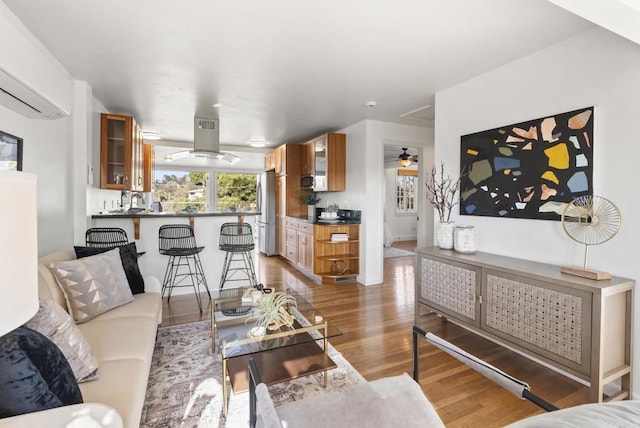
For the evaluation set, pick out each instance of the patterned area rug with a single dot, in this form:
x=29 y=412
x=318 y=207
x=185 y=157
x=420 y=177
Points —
x=185 y=387
x=396 y=252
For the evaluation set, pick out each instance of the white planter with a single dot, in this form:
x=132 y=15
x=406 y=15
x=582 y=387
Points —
x=444 y=235
x=311 y=211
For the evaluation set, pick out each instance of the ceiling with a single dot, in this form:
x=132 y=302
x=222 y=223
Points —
x=285 y=70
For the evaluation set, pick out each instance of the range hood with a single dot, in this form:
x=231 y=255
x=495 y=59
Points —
x=206 y=142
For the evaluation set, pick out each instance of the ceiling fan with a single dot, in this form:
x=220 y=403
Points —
x=406 y=159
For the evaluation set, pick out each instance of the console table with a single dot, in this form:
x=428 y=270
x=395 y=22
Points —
x=578 y=325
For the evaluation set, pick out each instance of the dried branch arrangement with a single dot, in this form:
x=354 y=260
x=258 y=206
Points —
x=441 y=192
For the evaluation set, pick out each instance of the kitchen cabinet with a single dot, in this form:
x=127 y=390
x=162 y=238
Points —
x=270 y=161
x=336 y=261
x=307 y=159
x=578 y=325
x=121 y=153
x=325 y=157
x=299 y=243
x=148 y=166
x=305 y=246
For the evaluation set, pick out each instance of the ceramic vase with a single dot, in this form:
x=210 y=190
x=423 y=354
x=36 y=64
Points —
x=311 y=211
x=444 y=235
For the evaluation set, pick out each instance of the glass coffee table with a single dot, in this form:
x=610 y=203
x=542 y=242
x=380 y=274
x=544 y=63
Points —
x=280 y=355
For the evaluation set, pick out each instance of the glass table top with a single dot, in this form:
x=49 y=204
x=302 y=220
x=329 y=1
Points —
x=232 y=324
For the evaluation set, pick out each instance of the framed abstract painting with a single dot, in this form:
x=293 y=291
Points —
x=530 y=169
x=10 y=152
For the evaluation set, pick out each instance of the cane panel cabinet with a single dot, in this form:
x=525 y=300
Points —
x=577 y=325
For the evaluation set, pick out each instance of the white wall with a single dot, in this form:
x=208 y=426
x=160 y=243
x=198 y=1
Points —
x=365 y=184
x=597 y=69
x=46 y=153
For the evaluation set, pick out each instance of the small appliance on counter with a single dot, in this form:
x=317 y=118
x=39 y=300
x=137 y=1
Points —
x=340 y=216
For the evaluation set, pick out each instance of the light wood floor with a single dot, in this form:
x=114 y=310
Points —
x=376 y=322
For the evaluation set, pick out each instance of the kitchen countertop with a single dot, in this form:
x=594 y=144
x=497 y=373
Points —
x=177 y=214
x=326 y=223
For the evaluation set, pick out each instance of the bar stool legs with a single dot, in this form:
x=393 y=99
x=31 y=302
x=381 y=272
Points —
x=236 y=240
x=247 y=267
x=173 y=277
x=178 y=242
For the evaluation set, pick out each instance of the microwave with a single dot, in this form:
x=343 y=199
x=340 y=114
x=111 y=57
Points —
x=306 y=182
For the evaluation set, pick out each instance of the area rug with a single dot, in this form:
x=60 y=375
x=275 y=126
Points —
x=396 y=252
x=185 y=387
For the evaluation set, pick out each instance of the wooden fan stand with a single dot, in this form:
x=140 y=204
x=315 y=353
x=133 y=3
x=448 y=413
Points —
x=584 y=272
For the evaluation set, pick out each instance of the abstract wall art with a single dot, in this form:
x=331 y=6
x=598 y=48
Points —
x=10 y=152
x=530 y=169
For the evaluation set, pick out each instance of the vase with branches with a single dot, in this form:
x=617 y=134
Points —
x=441 y=192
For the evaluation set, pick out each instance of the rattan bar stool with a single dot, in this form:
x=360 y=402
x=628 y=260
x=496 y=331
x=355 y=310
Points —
x=103 y=237
x=236 y=239
x=179 y=243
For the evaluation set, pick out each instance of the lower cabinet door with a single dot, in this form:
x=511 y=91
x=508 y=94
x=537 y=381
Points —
x=450 y=288
x=552 y=321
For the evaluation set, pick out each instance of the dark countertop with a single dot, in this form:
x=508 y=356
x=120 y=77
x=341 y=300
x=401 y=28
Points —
x=325 y=223
x=178 y=214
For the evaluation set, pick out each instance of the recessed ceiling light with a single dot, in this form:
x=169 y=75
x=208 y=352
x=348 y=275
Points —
x=371 y=104
x=217 y=105
x=257 y=143
x=151 y=135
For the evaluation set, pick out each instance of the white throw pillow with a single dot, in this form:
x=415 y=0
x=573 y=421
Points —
x=93 y=285
x=53 y=322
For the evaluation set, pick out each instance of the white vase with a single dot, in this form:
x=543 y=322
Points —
x=311 y=211
x=444 y=234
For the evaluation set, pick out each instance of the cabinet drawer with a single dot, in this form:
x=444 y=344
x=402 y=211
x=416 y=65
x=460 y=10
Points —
x=305 y=227
x=291 y=224
x=292 y=238
x=292 y=253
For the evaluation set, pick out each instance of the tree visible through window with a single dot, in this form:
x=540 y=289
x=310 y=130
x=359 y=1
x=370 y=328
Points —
x=236 y=191
x=406 y=190
x=181 y=190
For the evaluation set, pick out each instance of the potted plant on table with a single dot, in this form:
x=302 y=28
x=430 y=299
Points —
x=311 y=199
x=271 y=313
x=441 y=192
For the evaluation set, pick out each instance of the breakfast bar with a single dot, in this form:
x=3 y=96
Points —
x=143 y=229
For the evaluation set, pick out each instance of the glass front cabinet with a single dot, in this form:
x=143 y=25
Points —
x=121 y=153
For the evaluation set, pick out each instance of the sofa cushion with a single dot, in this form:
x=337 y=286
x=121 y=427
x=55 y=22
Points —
x=143 y=305
x=93 y=285
x=48 y=288
x=129 y=258
x=123 y=386
x=119 y=338
x=54 y=323
x=34 y=375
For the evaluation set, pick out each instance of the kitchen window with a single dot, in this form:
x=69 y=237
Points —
x=406 y=180
x=236 y=191
x=180 y=191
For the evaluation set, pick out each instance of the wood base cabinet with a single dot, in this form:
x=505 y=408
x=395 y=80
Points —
x=337 y=261
x=580 y=326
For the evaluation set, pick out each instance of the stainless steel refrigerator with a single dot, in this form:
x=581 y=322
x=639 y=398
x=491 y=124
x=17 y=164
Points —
x=266 y=221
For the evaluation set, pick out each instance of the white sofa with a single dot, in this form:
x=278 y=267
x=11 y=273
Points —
x=122 y=341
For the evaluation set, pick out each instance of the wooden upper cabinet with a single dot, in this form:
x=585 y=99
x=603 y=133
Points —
x=307 y=158
x=121 y=153
x=269 y=161
x=330 y=162
x=149 y=163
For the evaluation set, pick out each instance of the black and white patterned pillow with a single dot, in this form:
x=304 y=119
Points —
x=53 y=322
x=93 y=285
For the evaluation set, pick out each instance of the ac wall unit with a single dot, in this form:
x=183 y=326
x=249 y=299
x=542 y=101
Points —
x=18 y=97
